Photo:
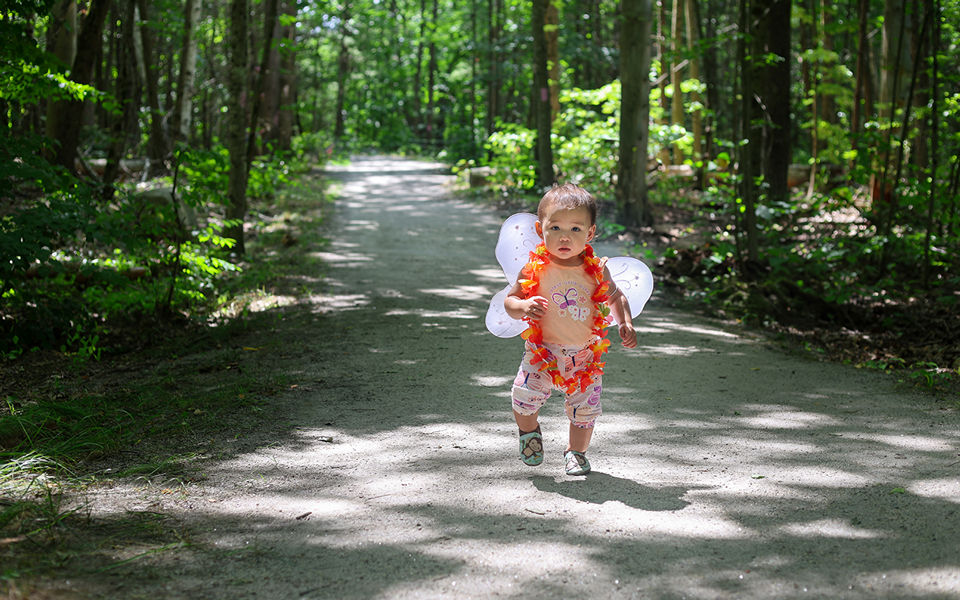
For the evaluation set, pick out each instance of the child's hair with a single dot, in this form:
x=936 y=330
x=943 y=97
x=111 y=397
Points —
x=566 y=197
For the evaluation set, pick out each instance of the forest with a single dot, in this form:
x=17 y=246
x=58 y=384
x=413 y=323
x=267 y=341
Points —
x=814 y=144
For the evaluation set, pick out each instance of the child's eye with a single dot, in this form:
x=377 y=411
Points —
x=577 y=229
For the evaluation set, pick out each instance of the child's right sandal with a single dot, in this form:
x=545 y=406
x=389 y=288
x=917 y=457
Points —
x=576 y=463
x=531 y=448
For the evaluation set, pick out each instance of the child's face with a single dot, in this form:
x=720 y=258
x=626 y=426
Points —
x=566 y=232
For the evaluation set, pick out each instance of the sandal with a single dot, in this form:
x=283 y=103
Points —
x=576 y=463
x=531 y=448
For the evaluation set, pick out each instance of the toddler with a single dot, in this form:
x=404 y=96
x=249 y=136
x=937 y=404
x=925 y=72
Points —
x=565 y=294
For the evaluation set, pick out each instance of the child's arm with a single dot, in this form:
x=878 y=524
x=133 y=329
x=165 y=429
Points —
x=519 y=307
x=620 y=309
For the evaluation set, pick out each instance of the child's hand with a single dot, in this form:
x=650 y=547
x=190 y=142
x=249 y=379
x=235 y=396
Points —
x=535 y=307
x=628 y=335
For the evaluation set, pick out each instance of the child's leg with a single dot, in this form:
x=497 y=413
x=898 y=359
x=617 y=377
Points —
x=582 y=409
x=527 y=423
x=579 y=438
x=530 y=392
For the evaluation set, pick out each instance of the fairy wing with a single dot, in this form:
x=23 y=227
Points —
x=518 y=237
x=634 y=279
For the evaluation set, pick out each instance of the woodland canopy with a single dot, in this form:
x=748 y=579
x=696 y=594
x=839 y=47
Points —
x=814 y=144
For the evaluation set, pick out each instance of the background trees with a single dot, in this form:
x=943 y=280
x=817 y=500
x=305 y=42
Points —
x=823 y=137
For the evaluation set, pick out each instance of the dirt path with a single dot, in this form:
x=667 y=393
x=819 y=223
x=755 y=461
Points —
x=722 y=468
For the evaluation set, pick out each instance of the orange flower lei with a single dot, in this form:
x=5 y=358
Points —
x=530 y=283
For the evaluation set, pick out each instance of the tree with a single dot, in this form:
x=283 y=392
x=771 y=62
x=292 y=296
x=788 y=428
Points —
x=186 y=84
x=541 y=91
x=66 y=125
x=633 y=208
x=158 y=147
x=770 y=64
x=237 y=123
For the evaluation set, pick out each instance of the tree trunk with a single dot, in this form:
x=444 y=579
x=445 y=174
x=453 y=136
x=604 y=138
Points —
x=127 y=93
x=431 y=76
x=62 y=43
x=552 y=32
x=693 y=43
x=775 y=78
x=895 y=61
x=237 y=122
x=633 y=208
x=270 y=25
x=541 y=87
x=748 y=221
x=493 y=87
x=186 y=83
x=676 y=116
x=158 y=146
x=417 y=122
x=862 y=100
x=288 y=77
x=661 y=80
x=343 y=65
x=267 y=92
x=711 y=80
x=67 y=123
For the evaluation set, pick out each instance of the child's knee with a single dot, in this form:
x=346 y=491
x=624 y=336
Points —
x=526 y=401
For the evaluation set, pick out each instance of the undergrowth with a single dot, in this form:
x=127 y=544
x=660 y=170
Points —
x=144 y=390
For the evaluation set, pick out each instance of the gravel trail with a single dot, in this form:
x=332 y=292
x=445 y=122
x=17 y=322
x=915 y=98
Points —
x=723 y=468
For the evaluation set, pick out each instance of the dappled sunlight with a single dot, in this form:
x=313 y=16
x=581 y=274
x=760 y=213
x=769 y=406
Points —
x=342 y=259
x=788 y=419
x=432 y=314
x=668 y=350
x=912 y=442
x=653 y=324
x=492 y=274
x=831 y=528
x=462 y=292
x=941 y=488
x=492 y=380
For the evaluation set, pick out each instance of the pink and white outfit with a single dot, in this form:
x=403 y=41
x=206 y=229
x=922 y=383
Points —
x=567 y=334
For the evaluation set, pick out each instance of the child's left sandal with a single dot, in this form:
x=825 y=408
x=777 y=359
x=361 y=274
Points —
x=576 y=463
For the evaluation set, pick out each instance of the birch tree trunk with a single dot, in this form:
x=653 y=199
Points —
x=237 y=122
x=633 y=208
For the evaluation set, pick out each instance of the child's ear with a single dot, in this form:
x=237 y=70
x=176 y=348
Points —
x=539 y=229
x=592 y=232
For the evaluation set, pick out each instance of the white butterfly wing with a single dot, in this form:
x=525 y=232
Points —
x=518 y=237
x=499 y=323
x=634 y=279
